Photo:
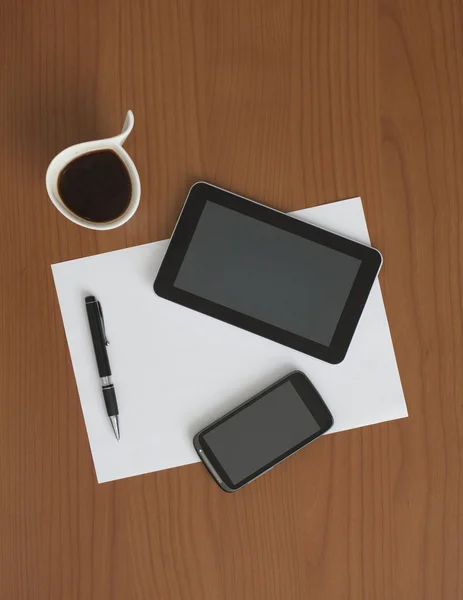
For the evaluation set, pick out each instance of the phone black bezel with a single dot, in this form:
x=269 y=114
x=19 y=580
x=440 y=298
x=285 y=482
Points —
x=200 y=193
x=311 y=399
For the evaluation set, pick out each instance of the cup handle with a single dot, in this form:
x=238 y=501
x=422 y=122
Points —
x=126 y=128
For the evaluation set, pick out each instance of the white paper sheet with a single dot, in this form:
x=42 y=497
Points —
x=176 y=370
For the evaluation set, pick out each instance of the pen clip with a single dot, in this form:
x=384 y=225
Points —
x=103 y=329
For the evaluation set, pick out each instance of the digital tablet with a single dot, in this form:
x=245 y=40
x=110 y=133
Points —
x=267 y=272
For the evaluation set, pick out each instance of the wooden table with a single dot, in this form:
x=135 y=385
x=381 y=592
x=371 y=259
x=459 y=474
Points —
x=294 y=103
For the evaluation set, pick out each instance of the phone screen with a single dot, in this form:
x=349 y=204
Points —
x=263 y=431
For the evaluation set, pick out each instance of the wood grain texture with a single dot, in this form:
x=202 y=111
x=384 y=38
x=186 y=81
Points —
x=295 y=103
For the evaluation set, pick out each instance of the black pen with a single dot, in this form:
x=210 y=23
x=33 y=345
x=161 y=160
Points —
x=100 y=341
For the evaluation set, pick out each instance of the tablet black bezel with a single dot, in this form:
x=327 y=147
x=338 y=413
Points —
x=199 y=194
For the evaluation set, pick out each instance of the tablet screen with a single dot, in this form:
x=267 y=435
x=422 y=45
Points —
x=265 y=272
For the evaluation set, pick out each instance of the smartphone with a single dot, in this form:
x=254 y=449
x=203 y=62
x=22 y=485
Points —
x=263 y=431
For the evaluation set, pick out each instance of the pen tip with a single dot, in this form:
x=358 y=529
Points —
x=115 y=423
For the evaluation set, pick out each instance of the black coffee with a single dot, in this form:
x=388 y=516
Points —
x=96 y=186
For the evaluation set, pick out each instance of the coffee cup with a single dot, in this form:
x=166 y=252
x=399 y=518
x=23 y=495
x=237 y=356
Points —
x=96 y=184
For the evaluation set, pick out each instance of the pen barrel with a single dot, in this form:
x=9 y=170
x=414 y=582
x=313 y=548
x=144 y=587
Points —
x=98 y=335
x=109 y=396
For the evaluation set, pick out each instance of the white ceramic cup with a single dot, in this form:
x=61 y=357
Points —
x=69 y=154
